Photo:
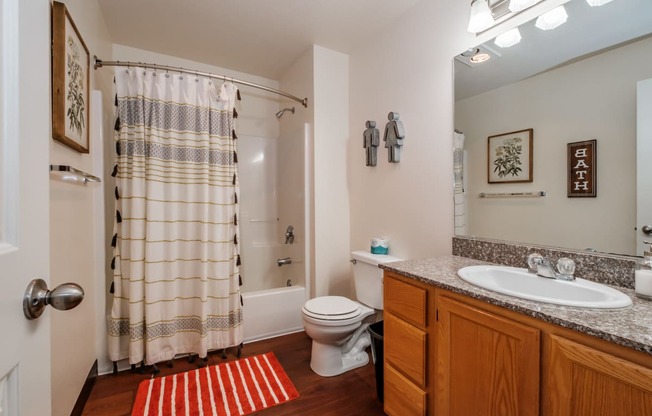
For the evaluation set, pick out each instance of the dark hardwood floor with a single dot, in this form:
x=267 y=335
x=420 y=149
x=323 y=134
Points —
x=349 y=394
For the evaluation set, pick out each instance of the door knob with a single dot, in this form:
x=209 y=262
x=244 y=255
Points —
x=37 y=297
x=647 y=229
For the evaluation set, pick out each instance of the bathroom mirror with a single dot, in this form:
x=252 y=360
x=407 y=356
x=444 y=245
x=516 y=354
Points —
x=572 y=84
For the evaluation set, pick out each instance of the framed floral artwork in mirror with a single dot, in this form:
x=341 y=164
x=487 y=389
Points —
x=70 y=82
x=509 y=157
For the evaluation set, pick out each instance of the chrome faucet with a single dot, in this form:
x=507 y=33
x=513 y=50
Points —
x=541 y=266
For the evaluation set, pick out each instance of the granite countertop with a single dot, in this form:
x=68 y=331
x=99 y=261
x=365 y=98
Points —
x=630 y=327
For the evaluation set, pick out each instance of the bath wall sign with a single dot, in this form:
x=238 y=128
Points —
x=371 y=141
x=582 y=169
x=393 y=137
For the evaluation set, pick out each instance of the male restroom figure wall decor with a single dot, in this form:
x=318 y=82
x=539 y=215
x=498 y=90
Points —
x=371 y=142
x=393 y=138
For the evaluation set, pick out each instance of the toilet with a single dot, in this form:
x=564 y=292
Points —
x=335 y=323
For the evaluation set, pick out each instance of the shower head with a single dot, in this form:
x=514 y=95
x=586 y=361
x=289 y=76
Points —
x=280 y=112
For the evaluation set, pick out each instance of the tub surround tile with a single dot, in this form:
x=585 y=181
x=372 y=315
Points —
x=609 y=269
x=630 y=327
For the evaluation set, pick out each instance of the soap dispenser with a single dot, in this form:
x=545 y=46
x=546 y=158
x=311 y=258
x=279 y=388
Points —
x=643 y=275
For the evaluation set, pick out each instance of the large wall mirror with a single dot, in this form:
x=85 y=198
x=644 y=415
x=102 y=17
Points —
x=575 y=83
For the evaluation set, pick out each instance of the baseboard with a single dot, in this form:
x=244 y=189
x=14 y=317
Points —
x=85 y=392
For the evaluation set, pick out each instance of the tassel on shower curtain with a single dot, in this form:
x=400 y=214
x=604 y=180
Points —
x=176 y=275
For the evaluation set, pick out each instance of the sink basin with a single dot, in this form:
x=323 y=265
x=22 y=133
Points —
x=517 y=282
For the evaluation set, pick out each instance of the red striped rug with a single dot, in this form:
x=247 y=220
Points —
x=238 y=387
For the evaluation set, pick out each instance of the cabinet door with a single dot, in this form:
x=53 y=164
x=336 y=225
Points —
x=586 y=381
x=486 y=364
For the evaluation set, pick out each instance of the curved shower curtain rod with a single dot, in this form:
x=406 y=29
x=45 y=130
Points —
x=99 y=63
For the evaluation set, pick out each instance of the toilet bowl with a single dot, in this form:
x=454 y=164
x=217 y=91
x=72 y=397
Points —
x=336 y=324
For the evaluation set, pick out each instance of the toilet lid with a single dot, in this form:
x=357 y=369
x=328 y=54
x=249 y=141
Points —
x=332 y=308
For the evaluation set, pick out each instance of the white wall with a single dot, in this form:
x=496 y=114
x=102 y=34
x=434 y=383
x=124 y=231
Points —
x=298 y=80
x=331 y=191
x=322 y=75
x=591 y=99
x=74 y=239
x=407 y=69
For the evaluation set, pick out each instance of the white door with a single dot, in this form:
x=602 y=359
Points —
x=643 y=165
x=24 y=219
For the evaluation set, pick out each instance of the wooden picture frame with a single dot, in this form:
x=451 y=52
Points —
x=70 y=82
x=582 y=169
x=509 y=157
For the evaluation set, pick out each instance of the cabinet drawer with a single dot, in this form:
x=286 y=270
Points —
x=405 y=301
x=405 y=349
x=402 y=398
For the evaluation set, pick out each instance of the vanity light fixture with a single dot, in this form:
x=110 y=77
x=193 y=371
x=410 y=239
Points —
x=481 y=17
x=597 y=3
x=552 y=19
x=518 y=5
x=509 y=38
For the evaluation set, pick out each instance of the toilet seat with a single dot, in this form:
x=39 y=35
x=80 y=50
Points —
x=332 y=308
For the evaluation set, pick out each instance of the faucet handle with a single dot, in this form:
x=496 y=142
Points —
x=532 y=261
x=566 y=266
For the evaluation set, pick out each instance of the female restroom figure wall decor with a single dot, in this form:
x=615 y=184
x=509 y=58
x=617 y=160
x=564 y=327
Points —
x=393 y=138
x=371 y=142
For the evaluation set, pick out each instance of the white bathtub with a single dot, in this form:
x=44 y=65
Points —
x=273 y=312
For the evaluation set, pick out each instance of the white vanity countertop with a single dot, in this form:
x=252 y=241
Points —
x=630 y=327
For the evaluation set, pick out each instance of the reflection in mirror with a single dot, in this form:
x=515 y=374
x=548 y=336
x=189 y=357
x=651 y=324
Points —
x=572 y=84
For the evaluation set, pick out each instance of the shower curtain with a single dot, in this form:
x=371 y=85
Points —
x=176 y=265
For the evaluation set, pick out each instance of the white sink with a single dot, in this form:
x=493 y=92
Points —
x=518 y=282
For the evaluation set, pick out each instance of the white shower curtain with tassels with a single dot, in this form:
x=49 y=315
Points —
x=176 y=265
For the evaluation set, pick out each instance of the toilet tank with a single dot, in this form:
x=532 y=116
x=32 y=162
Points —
x=368 y=277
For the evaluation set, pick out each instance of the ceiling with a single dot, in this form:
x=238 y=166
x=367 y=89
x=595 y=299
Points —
x=260 y=37
x=587 y=31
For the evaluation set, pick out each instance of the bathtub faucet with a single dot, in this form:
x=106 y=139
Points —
x=281 y=262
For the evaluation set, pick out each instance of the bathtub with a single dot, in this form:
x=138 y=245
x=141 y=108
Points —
x=273 y=312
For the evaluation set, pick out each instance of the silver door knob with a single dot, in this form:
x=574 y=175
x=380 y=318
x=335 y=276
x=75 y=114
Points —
x=647 y=229
x=37 y=297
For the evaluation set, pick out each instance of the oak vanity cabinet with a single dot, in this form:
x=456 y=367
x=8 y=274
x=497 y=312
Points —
x=449 y=354
x=408 y=348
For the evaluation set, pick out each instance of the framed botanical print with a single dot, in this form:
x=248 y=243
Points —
x=70 y=82
x=509 y=157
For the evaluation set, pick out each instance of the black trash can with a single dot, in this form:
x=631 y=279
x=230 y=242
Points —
x=376 y=332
